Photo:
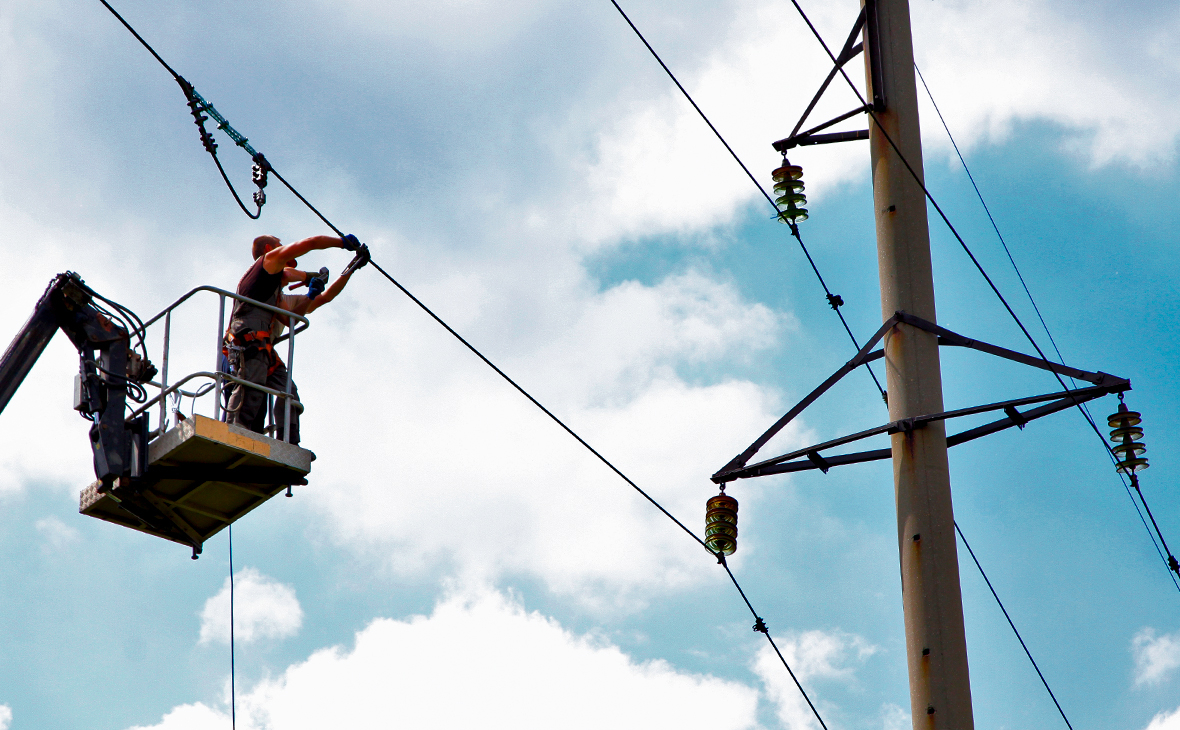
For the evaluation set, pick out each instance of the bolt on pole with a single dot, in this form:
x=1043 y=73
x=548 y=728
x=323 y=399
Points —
x=936 y=648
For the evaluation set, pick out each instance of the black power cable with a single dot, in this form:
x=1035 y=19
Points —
x=759 y=624
x=1170 y=561
x=988 y=210
x=139 y=38
x=1018 y=637
x=833 y=300
x=198 y=105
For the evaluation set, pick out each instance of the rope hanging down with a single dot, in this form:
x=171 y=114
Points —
x=233 y=689
x=759 y=624
x=1170 y=561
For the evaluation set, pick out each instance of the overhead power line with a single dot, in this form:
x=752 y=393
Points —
x=1009 y=618
x=833 y=300
x=759 y=624
x=1170 y=560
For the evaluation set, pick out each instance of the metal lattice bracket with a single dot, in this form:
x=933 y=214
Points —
x=810 y=457
x=866 y=21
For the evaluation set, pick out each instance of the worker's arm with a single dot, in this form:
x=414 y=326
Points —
x=276 y=260
x=296 y=303
x=294 y=277
x=329 y=294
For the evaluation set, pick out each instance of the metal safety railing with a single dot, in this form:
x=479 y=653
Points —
x=218 y=376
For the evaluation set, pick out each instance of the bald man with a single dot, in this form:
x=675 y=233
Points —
x=251 y=354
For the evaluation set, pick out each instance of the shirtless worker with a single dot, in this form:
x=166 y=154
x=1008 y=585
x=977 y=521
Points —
x=251 y=356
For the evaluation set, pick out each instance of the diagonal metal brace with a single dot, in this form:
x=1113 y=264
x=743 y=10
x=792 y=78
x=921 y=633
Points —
x=866 y=21
x=847 y=53
x=810 y=136
x=804 y=140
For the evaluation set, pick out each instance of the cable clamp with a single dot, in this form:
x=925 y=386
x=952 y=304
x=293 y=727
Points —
x=760 y=626
x=835 y=301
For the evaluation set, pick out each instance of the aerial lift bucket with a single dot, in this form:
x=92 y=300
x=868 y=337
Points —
x=201 y=476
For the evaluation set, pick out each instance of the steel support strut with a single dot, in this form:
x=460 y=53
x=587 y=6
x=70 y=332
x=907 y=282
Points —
x=866 y=21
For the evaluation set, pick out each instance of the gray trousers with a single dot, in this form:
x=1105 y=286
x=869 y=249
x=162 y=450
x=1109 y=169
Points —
x=247 y=406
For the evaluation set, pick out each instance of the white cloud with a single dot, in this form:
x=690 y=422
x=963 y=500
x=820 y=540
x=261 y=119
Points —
x=623 y=339
x=1165 y=721
x=1155 y=656
x=895 y=718
x=992 y=65
x=510 y=667
x=57 y=534
x=464 y=472
x=659 y=169
x=5 y=717
x=263 y=609
x=656 y=168
x=812 y=655
x=196 y=716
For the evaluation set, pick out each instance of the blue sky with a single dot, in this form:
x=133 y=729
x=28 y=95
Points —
x=529 y=172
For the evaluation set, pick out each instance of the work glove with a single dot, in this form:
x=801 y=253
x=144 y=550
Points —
x=317 y=284
x=350 y=243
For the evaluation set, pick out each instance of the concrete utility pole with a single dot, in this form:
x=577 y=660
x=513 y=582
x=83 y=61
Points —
x=940 y=687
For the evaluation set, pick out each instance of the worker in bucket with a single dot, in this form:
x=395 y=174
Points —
x=250 y=344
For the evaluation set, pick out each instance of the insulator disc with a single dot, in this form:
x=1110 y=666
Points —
x=1119 y=434
x=1132 y=418
x=790 y=215
x=720 y=515
x=791 y=198
x=1135 y=448
x=716 y=522
x=722 y=544
x=721 y=528
x=793 y=172
x=722 y=501
x=1130 y=466
x=787 y=186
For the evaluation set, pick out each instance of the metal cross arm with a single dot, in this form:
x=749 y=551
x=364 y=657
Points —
x=850 y=51
x=811 y=458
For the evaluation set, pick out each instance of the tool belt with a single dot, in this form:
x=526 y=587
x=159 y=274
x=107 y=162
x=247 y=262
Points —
x=252 y=343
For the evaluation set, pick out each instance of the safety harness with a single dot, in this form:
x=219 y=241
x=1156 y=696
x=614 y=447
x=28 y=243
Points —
x=252 y=342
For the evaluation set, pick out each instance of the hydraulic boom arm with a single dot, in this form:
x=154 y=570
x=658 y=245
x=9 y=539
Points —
x=108 y=368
